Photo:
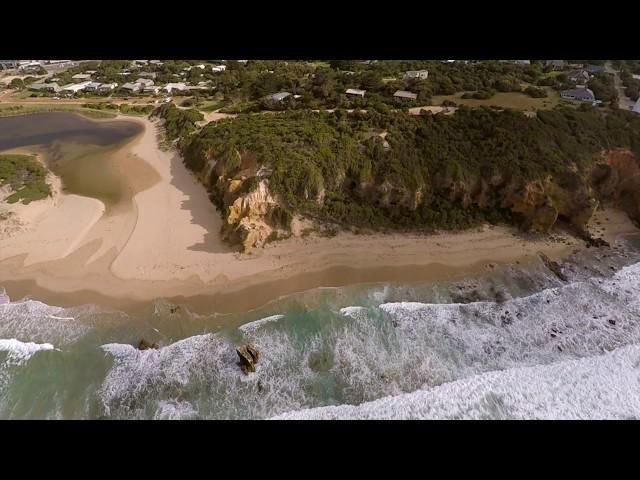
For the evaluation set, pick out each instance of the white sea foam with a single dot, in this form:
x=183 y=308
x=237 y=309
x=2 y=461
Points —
x=39 y=322
x=251 y=326
x=381 y=351
x=18 y=351
x=173 y=410
x=602 y=387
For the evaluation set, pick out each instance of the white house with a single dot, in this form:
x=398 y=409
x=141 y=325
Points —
x=93 y=87
x=582 y=94
x=75 y=87
x=145 y=82
x=416 y=74
x=405 y=95
x=45 y=87
x=107 y=87
x=81 y=77
x=636 y=107
x=169 y=87
x=355 y=92
x=278 y=97
x=152 y=75
x=152 y=89
x=132 y=87
x=218 y=68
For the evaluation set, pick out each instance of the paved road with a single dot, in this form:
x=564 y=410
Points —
x=624 y=102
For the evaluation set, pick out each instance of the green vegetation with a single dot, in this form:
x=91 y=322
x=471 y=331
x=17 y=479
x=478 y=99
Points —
x=26 y=177
x=535 y=92
x=513 y=100
x=336 y=167
x=179 y=123
x=628 y=68
x=603 y=87
x=9 y=109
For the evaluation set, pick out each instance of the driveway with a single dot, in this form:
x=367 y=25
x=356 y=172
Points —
x=624 y=102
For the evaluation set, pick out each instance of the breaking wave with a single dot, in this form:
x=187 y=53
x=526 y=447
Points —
x=602 y=387
x=359 y=354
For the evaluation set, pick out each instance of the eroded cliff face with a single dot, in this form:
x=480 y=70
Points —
x=616 y=177
x=254 y=215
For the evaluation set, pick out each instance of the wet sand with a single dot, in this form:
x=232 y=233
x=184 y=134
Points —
x=161 y=239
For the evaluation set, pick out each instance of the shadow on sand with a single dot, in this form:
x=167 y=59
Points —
x=208 y=218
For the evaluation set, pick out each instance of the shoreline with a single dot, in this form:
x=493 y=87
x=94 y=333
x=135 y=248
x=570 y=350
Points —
x=165 y=243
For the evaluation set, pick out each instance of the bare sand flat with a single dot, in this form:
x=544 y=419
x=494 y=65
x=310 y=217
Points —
x=164 y=242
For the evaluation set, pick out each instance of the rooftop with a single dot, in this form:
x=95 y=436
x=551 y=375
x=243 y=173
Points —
x=405 y=94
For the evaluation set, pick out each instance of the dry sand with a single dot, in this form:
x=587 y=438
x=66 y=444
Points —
x=165 y=243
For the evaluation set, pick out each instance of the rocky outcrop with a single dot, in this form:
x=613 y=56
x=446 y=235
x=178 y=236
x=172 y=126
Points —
x=249 y=356
x=541 y=203
x=616 y=178
x=252 y=216
x=146 y=345
x=553 y=266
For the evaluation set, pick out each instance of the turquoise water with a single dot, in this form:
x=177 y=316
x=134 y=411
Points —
x=324 y=347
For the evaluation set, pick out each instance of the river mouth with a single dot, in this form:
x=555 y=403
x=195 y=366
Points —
x=83 y=153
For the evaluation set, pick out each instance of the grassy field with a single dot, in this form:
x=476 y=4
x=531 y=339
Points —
x=320 y=64
x=7 y=110
x=209 y=105
x=26 y=177
x=515 y=100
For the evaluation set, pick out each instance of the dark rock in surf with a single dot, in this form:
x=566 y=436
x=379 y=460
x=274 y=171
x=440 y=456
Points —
x=249 y=356
x=146 y=345
x=553 y=266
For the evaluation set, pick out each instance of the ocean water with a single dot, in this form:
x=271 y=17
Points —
x=508 y=344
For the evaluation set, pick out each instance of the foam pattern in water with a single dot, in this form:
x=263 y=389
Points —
x=362 y=353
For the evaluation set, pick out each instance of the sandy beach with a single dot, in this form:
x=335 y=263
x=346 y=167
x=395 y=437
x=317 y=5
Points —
x=163 y=241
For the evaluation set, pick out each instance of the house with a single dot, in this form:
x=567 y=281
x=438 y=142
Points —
x=582 y=94
x=636 y=107
x=242 y=61
x=145 y=82
x=155 y=62
x=578 y=76
x=405 y=95
x=416 y=74
x=140 y=62
x=8 y=64
x=169 y=87
x=636 y=77
x=28 y=64
x=592 y=69
x=522 y=62
x=355 y=92
x=90 y=72
x=218 y=68
x=152 y=75
x=75 y=87
x=93 y=87
x=278 y=97
x=45 y=87
x=81 y=77
x=556 y=64
x=152 y=89
x=447 y=61
x=107 y=87
x=132 y=87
